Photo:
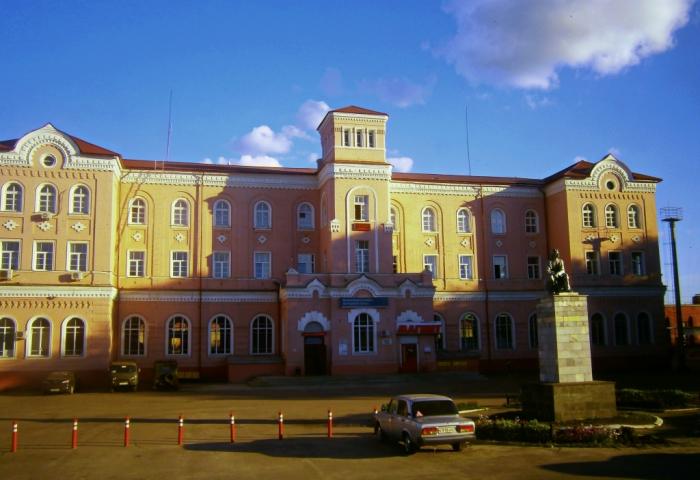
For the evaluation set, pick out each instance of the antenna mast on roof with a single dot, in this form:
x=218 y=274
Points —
x=466 y=119
x=170 y=128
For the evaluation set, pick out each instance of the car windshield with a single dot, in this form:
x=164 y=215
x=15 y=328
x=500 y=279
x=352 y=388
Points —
x=123 y=368
x=429 y=408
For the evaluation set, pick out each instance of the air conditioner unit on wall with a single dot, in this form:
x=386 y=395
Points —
x=77 y=275
x=6 y=274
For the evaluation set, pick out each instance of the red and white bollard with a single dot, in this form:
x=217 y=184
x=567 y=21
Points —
x=180 y=429
x=330 y=424
x=13 y=446
x=127 y=426
x=233 y=427
x=280 y=426
x=74 y=438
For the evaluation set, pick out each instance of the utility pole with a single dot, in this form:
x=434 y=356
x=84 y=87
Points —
x=673 y=215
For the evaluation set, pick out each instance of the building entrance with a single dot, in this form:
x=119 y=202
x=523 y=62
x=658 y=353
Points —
x=409 y=358
x=314 y=355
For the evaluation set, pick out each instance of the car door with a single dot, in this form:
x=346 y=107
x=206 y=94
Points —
x=391 y=420
x=401 y=418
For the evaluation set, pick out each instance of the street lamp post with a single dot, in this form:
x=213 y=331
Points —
x=673 y=215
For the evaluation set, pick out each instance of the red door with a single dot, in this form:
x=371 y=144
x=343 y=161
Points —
x=409 y=358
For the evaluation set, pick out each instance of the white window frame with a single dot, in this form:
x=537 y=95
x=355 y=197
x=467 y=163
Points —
x=370 y=334
x=30 y=338
x=466 y=267
x=222 y=214
x=588 y=217
x=78 y=256
x=361 y=256
x=181 y=263
x=10 y=259
x=262 y=215
x=498 y=221
x=46 y=202
x=305 y=216
x=430 y=262
x=226 y=332
x=347 y=137
x=264 y=259
x=64 y=338
x=12 y=201
x=429 y=221
x=137 y=211
x=8 y=337
x=532 y=222
x=359 y=138
x=504 y=269
x=638 y=267
x=361 y=208
x=186 y=349
x=618 y=270
x=80 y=195
x=371 y=139
x=221 y=267
x=180 y=213
x=463 y=221
x=477 y=332
x=309 y=262
x=140 y=322
x=132 y=261
x=612 y=216
x=634 y=217
x=253 y=330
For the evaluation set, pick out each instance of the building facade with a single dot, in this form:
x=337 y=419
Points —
x=345 y=268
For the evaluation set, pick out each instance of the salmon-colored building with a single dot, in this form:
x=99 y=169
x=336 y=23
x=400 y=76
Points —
x=345 y=268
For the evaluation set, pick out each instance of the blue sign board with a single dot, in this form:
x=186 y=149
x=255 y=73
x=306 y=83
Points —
x=355 y=302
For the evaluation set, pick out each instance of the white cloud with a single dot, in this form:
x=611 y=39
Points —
x=311 y=113
x=400 y=92
x=290 y=131
x=615 y=152
x=258 y=161
x=537 y=101
x=401 y=164
x=523 y=44
x=312 y=157
x=207 y=160
x=262 y=140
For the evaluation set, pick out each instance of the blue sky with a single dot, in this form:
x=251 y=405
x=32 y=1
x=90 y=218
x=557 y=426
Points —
x=546 y=82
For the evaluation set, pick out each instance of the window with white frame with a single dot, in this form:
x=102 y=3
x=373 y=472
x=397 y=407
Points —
x=644 y=330
x=611 y=217
x=429 y=220
x=43 y=256
x=261 y=336
x=500 y=267
x=180 y=213
x=621 y=329
x=77 y=257
x=430 y=262
x=465 y=267
x=9 y=255
x=361 y=208
x=178 y=335
x=222 y=214
x=469 y=332
x=592 y=267
x=531 y=222
x=532 y=330
x=463 y=223
x=8 y=331
x=134 y=336
x=262 y=261
x=80 y=200
x=363 y=334
x=39 y=343
x=305 y=217
x=46 y=199
x=222 y=264
x=179 y=263
x=361 y=256
x=305 y=263
x=504 y=332
x=12 y=197
x=588 y=216
x=137 y=211
x=533 y=268
x=262 y=217
x=633 y=217
x=136 y=266
x=220 y=336
x=597 y=329
x=638 y=263
x=498 y=221
x=346 y=137
x=394 y=218
x=615 y=263
x=371 y=139
x=359 y=138
x=74 y=338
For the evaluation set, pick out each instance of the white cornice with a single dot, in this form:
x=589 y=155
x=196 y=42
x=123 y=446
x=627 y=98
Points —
x=592 y=182
x=421 y=188
x=57 y=292
x=194 y=296
x=361 y=283
x=233 y=180
x=354 y=172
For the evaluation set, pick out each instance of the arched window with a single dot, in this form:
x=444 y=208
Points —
x=74 y=338
x=178 y=336
x=12 y=197
x=440 y=340
x=261 y=336
x=621 y=330
x=588 y=216
x=504 y=332
x=498 y=221
x=611 y=217
x=469 y=332
x=644 y=330
x=531 y=222
x=46 y=199
x=394 y=218
x=305 y=217
x=39 y=338
x=597 y=330
x=262 y=217
x=532 y=331
x=429 y=220
x=134 y=336
x=463 y=223
x=220 y=336
x=137 y=211
x=633 y=217
x=80 y=200
x=7 y=338
x=180 y=213
x=363 y=334
x=222 y=214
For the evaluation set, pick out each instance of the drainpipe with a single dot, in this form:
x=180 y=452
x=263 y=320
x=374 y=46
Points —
x=485 y=270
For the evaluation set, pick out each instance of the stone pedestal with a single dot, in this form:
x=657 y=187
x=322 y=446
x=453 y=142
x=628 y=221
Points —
x=563 y=402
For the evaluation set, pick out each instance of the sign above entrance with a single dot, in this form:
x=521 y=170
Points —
x=418 y=329
x=355 y=302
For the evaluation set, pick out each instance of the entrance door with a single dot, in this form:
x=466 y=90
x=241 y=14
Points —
x=409 y=358
x=314 y=355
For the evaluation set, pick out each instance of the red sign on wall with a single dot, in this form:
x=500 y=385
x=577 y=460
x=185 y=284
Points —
x=360 y=227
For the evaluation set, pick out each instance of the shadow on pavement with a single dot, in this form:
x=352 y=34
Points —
x=651 y=466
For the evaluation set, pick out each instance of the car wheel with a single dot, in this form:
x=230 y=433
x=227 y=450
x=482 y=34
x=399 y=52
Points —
x=379 y=433
x=457 y=446
x=408 y=446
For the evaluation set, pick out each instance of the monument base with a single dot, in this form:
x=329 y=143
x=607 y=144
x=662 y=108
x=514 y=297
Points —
x=563 y=402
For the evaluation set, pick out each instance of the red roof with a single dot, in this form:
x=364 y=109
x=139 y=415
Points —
x=85 y=148
x=209 y=167
x=473 y=179
x=360 y=110
x=583 y=168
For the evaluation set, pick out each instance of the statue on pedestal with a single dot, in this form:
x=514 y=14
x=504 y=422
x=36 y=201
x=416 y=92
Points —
x=557 y=279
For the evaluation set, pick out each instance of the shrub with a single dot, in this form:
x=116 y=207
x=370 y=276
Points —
x=529 y=431
x=655 y=399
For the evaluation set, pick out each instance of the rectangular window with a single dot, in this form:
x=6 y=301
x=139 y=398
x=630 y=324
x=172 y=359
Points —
x=615 y=263
x=305 y=263
x=346 y=137
x=465 y=267
x=179 y=261
x=500 y=267
x=222 y=264
x=362 y=256
x=136 y=266
x=43 y=256
x=430 y=262
x=359 y=138
x=262 y=264
x=395 y=264
x=361 y=207
x=77 y=257
x=533 y=268
x=371 y=140
x=638 y=263
x=592 y=263
x=9 y=255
